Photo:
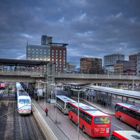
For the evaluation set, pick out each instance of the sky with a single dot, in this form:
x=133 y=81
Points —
x=92 y=28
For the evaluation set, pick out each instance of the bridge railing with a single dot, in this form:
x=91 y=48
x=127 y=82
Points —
x=71 y=76
x=22 y=73
x=97 y=76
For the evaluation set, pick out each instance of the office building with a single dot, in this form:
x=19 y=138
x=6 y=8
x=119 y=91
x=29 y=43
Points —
x=138 y=64
x=123 y=67
x=56 y=53
x=110 y=61
x=91 y=65
x=135 y=61
x=70 y=68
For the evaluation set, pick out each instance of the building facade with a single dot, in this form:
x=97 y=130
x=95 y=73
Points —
x=138 y=64
x=91 y=65
x=70 y=68
x=111 y=60
x=123 y=67
x=135 y=61
x=56 y=53
x=38 y=52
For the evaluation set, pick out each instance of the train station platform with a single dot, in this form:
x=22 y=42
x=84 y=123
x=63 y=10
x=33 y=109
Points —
x=53 y=120
x=50 y=129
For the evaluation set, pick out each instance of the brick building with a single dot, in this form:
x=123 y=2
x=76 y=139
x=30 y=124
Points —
x=56 y=53
x=91 y=65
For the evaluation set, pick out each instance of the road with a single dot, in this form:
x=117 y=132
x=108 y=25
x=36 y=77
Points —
x=16 y=127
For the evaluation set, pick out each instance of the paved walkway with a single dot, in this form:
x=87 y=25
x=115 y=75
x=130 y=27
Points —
x=52 y=120
x=41 y=108
x=65 y=126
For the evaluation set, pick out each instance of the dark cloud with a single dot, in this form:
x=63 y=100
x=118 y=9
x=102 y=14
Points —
x=91 y=27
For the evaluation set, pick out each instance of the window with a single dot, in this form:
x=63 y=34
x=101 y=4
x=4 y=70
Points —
x=72 y=108
x=129 y=112
x=60 y=102
x=133 y=114
x=82 y=114
x=102 y=120
x=118 y=108
x=88 y=118
x=24 y=101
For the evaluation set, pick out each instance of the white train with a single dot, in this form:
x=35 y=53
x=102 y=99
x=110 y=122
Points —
x=23 y=100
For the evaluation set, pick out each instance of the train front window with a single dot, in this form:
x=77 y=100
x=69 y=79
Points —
x=24 y=101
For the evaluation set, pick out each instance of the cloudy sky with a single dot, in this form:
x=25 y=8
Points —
x=92 y=28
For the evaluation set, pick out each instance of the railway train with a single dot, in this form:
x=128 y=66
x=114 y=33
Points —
x=24 y=105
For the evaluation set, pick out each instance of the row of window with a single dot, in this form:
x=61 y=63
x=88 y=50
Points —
x=127 y=111
x=61 y=103
x=39 y=52
x=82 y=114
x=58 y=54
x=37 y=58
x=56 y=57
x=60 y=51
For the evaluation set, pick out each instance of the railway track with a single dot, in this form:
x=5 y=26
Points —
x=16 y=127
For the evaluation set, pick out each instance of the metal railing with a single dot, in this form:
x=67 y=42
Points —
x=97 y=76
x=22 y=73
x=71 y=76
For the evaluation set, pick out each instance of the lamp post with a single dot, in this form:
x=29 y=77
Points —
x=52 y=89
x=78 y=115
x=55 y=107
x=78 y=91
x=133 y=84
x=55 y=115
x=45 y=83
x=54 y=100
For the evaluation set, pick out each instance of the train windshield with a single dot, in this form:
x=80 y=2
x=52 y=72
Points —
x=102 y=120
x=24 y=101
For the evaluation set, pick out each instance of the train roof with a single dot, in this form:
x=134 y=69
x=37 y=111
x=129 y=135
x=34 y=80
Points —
x=133 y=107
x=65 y=98
x=24 y=97
x=130 y=135
x=89 y=109
x=121 y=92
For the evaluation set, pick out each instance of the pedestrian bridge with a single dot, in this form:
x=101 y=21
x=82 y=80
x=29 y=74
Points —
x=29 y=76
x=20 y=76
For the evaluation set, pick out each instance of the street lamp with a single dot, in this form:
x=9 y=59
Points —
x=133 y=84
x=78 y=115
x=55 y=92
x=54 y=100
x=45 y=83
x=78 y=91
x=52 y=90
